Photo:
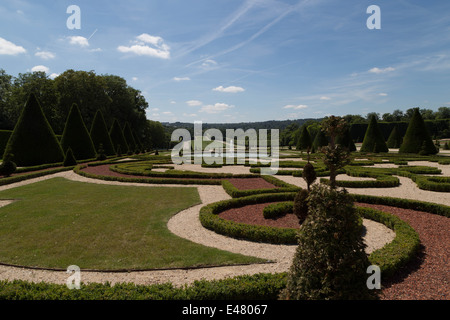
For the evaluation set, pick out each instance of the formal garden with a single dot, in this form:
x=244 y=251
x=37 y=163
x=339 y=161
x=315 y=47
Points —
x=141 y=227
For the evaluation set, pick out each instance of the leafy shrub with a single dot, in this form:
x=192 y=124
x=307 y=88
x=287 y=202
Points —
x=33 y=141
x=7 y=167
x=309 y=174
x=76 y=136
x=417 y=138
x=301 y=205
x=330 y=262
x=69 y=159
x=100 y=135
x=373 y=140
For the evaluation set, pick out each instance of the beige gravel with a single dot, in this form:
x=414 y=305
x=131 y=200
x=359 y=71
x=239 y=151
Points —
x=186 y=225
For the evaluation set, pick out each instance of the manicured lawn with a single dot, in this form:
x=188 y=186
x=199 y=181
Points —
x=57 y=223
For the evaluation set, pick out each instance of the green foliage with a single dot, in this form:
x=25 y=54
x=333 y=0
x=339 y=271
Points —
x=117 y=137
x=4 y=137
x=7 y=167
x=345 y=140
x=320 y=140
x=277 y=210
x=330 y=262
x=309 y=174
x=128 y=134
x=373 y=139
x=304 y=141
x=446 y=146
x=395 y=139
x=301 y=205
x=417 y=139
x=76 y=136
x=69 y=159
x=100 y=135
x=101 y=153
x=33 y=141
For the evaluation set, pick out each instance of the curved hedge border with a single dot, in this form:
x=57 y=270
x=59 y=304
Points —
x=281 y=187
x=389 y=258
x=276 y=210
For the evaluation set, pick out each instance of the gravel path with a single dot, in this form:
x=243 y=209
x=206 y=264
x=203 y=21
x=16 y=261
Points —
x=186 y=224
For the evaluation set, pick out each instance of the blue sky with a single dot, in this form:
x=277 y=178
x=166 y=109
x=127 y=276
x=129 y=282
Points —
x=243 y=61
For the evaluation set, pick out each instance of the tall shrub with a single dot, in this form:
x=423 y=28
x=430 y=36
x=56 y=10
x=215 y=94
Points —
x=128 y=134
x=76 y=136
x=320 y=140
x=33 y=141
x=330 y=262
x=345 y=140
x=100 y=135
x=117 y=137
x=373 y=140
x=417 y=138
x=304 y=141
x=395 y=139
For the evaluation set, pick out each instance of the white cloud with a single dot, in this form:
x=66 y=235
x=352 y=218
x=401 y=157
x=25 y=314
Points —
x=379 y=71
x=192 y=115
x=155 y=109
x=209 y=63
x=54 y=75
x=167 y=113
x=383 y=94
x=79 y=41
x=181 y=78
x=40 y=68
x=216 y=108
x=147 y=45
x=194 y=103
x=9 y=48
x=46 y=55
x=231 y=89
x=325 y=98
x=135 y=78
x=295 y=107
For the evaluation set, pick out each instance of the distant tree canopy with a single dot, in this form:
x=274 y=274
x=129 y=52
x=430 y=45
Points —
x=91 y=92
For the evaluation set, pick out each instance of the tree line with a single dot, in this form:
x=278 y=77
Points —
x=91 y=92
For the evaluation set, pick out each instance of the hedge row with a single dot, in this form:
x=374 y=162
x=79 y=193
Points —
x=209 y=219
x=277 y=210
x=262 y=286
x=281 y=187
x=32 y=175
x=78 y=170
x=389 y=258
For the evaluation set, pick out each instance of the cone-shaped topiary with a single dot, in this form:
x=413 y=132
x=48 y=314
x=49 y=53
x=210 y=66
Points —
x=117 y=137
x=320 y=140
x=417 y=138
x=69 y=159
x=128 y=134
x=373 y=138
x=330 y=262
x=395 y=139
x=100 y=135
x=309 y=174
x=33 y=141
x=8 y=166
x=76 y=136
x=304 y=141
x=345 y=140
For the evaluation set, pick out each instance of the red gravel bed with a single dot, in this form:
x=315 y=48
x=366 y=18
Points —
x=251 y=183
x=253 y=214
x=427 y=277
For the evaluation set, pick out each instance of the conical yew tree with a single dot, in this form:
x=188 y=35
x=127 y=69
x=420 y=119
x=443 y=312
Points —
x=33 y=141
x=76 y=136
x=373 y=140
x=346 y=141
x=128 y=134
x=395 y=139
x=417 y=138
x=304 y=141
x=117 y=137
x=100 y=135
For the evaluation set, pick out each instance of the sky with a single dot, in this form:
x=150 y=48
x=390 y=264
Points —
x=230 y=61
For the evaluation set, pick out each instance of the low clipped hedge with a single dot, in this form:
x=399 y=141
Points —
x=281 y=187
x=32 y=175
x=382 y=181
x=262 y=286
x=277 y=210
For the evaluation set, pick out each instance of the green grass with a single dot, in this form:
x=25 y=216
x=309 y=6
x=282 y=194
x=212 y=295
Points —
x=57 y=223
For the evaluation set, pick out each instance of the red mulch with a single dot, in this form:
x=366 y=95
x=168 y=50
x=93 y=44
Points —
x=425 y=278
x=251 y=183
